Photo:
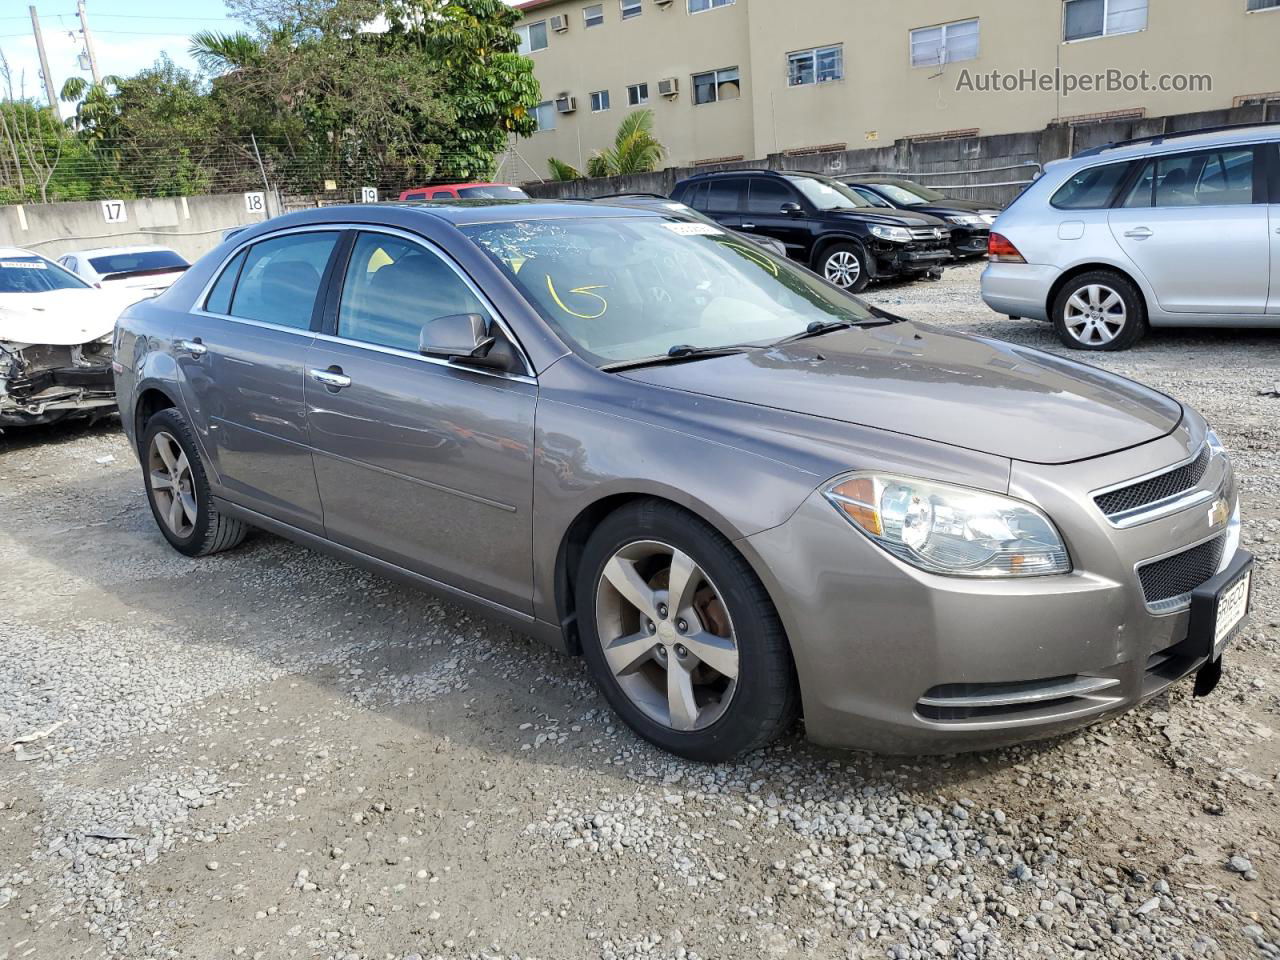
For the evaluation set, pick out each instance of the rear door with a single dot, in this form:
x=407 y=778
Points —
x=240 y=354
x=764 y=214
x=422 y=463
x=1197 y=226
x=723 y=200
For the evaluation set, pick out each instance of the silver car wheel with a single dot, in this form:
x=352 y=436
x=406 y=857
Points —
x=843 y=268
x=667 y=635
x=1095 y=315
x=172 y=485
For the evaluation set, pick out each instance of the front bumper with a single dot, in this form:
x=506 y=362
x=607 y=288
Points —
x=43 y=384
x=897 y=259
x=896 y=660
x=1018 y=289
x=969 y=242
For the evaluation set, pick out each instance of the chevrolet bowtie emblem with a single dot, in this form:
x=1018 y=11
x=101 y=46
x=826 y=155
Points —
x=937 y=233
x=1219 y=512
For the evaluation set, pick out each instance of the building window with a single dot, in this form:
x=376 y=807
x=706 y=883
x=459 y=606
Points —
x=600 y=101
x=1082 y=19
x=698 y=6
x=948 y=43
x=593 y=15
x=1263 y=5
x=533 y=36
x=631 y=8
x=545 y=115
x=820 y=65
x=637 y=94
x=716 y=85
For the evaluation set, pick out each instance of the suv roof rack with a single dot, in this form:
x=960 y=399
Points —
x=1158 y=138
x=632 y=193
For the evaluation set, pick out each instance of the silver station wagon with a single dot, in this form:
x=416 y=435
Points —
x=741 y=494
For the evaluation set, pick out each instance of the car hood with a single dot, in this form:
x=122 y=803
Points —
x=893 y=218
x=62 y=317
x=913 y=379
x=952 y=205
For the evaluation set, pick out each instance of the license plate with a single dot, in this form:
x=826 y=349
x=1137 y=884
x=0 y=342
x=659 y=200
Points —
x=1233 y=604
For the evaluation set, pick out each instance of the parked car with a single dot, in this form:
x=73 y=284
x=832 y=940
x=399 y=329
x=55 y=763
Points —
x=55 y=341
x=465 y=191
x=1175 y=230
x=822 y=223
x=146 y=269
x=737 y=491
x=659 y=203
x=970 y=220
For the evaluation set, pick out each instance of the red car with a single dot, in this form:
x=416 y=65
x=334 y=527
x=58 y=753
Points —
x=465 y=191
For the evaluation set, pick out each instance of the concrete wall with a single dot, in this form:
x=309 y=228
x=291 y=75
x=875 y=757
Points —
x=191 y=225
x=970 y=168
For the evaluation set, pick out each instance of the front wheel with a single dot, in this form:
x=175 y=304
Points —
x=845 y=265
x=681 y=636
x=1099 y=310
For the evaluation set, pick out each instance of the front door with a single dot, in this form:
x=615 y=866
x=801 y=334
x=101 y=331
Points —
x=241 y=356
x=1191 y=225
x=422 y=463
x=764 y=214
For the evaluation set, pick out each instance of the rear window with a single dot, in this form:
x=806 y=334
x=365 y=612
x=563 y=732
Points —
x=1090 y=189
x=138 y=260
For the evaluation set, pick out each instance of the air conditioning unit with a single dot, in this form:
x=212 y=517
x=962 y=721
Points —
x=560 y=23
x=669 y=87
x=662 y=3
x=566 y=103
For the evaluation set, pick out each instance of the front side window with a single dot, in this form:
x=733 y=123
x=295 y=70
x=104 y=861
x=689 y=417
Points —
x=637 y=94
x=1090 y=189
x=593 y=15
x=819 y=65
x=533 y=36
x=697 y=6
x=1082 y=19
x=716 y=85
x=600 y=101
x=627 y=288
x=1212 y=179
x=34 y=274
x=768 y=195
x=492 y=191
x=545 y=115
x=946 y=43
x=280 y=279
x=393 y=287
x=631 y=8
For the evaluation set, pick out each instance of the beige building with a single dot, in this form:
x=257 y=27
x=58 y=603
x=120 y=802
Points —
x=731 y=79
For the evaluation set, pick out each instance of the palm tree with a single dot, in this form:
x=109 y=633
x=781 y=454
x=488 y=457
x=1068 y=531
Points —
x=223 y=52
x=635 y=150
x=563 y=171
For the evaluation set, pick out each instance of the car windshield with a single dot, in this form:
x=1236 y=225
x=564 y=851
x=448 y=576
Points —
x=136 y=260
x=30 y=274
x=828 y=194
x=623 y=289
x=900 y=194
x=492 y=192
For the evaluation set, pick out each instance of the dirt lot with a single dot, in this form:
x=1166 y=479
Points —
x=269 y=754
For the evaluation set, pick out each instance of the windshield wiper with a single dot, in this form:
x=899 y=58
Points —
x=680 y=353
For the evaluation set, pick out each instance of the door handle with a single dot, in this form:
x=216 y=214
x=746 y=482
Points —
x=333 y=378
x=193 y=347
x=1138 y=233
x=748 y=226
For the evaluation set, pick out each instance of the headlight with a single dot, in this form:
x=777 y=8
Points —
x=967 y=220
x=951 y=530
x=1216 y=449
x=896 y=234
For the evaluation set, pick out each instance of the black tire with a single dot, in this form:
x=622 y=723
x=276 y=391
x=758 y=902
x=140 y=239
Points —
x=1133 y=329
x=826 y=266
x=211 y=531
x=766 y=699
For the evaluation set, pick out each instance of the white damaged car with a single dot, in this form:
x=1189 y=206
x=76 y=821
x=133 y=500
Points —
x=55 y=341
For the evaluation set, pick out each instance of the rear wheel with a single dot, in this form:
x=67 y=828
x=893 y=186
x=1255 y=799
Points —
x=681 y=636
x=178 y=489
x=1099 y=310
x=845 y=265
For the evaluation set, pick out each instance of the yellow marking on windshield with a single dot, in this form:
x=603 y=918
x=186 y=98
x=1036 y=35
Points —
x=755 y=256
x=584 y=292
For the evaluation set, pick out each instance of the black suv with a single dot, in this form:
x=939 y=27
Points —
x=823 y=224
x=970 y=220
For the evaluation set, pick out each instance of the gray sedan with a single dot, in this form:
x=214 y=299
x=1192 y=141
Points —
x=740 y=494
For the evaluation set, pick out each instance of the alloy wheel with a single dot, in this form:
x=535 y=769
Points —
x=172 y=484
x=843 y=268
x=667 y=635
x=1095 y=315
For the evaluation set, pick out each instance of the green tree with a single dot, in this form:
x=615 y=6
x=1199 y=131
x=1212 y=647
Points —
x=563 y=171
x=635 y=149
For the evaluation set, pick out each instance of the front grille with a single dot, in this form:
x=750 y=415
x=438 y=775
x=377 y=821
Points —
x=1153 y=490
x=1181 y=573
x=926 y=233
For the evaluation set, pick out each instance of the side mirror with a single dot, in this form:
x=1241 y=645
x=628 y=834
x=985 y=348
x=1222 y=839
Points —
x=792 y=209
x=465 y=338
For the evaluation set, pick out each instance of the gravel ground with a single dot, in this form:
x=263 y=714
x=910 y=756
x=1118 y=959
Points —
x=269 y=754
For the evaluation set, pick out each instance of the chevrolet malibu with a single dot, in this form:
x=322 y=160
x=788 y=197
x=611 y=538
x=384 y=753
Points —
x=742 y=495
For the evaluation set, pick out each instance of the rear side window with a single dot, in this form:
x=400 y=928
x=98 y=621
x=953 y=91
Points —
x=219 y=299
x=768 y=196
x=1090 y=189
x=280 y=279
x=1212 y=179
x=725 y=196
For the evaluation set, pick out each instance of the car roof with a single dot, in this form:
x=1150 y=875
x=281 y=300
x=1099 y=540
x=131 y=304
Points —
x=19 y=252
x=111 y=251
x=459 y=213
x=1182 y=142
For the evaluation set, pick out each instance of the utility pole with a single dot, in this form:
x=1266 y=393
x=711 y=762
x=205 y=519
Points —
x=88 y=41
x=44 y=65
